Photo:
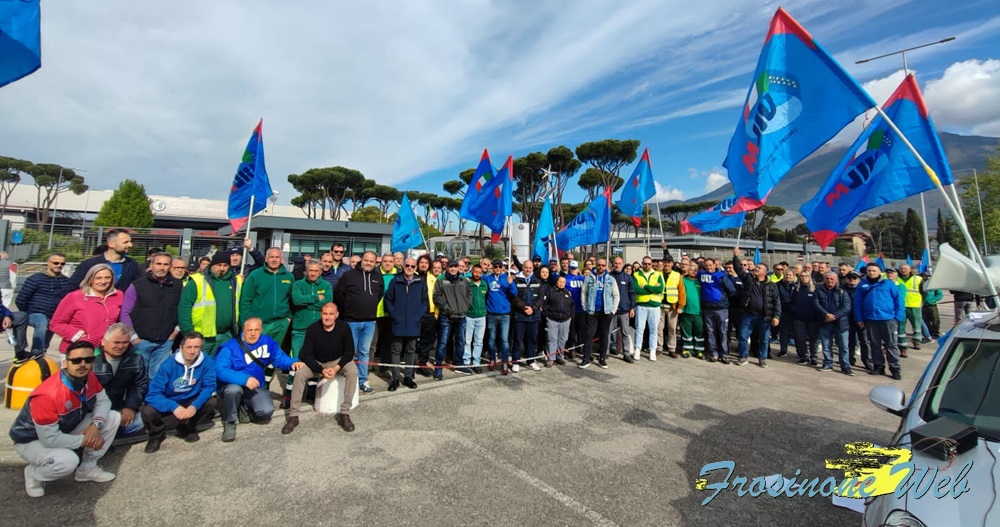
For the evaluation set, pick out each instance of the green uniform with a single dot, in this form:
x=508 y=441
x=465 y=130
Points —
x=211 y=311
x=478 y=307
x=266 y=294
x=308 y=299
x=691 y=324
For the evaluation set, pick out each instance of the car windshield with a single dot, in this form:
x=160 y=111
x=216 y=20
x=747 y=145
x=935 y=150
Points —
x=967 y=388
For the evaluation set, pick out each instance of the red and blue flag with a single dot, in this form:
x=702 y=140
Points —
x=638 y=189
x=714 y=219
x=799 y=99
x=250 y=181
x=879 y=168
x=490 y=198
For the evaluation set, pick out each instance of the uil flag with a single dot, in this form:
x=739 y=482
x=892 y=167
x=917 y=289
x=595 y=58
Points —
x=406 y=230
x=799 y=99
x=756 y=256
x=880 y=262
x=714 y=219
x=250 y=181
x=591 y=226
x=20 y=39
x=925 y=261
x=638 y=189
x=879 y=168
x=543 y=233
x=490 y=198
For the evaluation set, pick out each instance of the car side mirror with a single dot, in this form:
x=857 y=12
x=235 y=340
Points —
x=889 y=398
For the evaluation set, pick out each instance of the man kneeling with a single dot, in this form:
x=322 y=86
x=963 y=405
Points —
x=328 y=349
x=239 y=369
x=68 y=411
x=180 y=394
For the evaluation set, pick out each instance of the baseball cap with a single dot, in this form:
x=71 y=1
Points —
x=573 y=264
x=452 y=263
x=853 y=274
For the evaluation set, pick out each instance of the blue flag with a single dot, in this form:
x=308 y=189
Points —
x=251 y=180
x=799 y=99
x=880 y=262
x=756 y=256
x=714 y=219
x=490 y=198
x=406 y=229
x=20 y=39
x=925 y=261
x=591 y=226
x=879 y=168
x=543 y=233
x=909 y=261
x=638 y=189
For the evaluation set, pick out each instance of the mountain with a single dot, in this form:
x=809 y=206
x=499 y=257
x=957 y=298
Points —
x=801 y=184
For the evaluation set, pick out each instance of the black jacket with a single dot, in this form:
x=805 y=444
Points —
x=747 y=283
x=358 y=294
x=836 y=302
x=626 y=291
x=529 y=294
x=804 y=305
x=127 y=387
x=154 y=315
x=559 y=305
x=452 y=295
x=130 y=273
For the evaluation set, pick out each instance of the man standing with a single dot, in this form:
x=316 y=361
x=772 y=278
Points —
x=930 y=309
x=124 y=375
x=126 y=269
x=475 y=320
x=856 y=339
x=527 y=314
x=179 y=271
x=453 y=297
x=328 y=351
x=309 y=295
x=878 y=308
x=716 y=288
x=626 y=310
x=427 y=342
x=913 y=302
x=405 y=303
x=150 y=309
x=648 y=295
x=578 y=327
x=239 y=369
x=600 y=301
x=37 y=301
x=334 y=265
x=761 y=310
x=690 y=321
x=266 y=294
x=381 y=346
x=236 y=258
x=500 y=290
x=834 y=304
x=670 y=308
x=357 y=296
x=209 y=304
x=180 y=394
x=66 y=412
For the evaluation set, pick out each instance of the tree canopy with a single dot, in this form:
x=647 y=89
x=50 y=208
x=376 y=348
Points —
x=127 y=207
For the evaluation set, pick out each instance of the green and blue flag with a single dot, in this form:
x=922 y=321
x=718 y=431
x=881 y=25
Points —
x=250 y=180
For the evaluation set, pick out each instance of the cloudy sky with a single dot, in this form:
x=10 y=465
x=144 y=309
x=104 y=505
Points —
x=411 y=92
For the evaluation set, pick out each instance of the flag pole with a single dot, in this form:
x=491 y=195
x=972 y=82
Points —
x=647 y=229
x=243 y=262
x=659 y=219
x=951 y=206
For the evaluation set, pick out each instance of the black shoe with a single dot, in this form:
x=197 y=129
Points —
x=724 y=360
x=849 y=373
x=410 y=383
x=242 y=416
x=393 y=385
x=560 y=361
x=896 y=375
x=193 y=437
x=614 y=352
x=802 y=362
x=425 y=371
x=628 y=358
x=584 y=364
x=876 y=371
x=477 y=370
x=782 y=354
x=602 y=363
x=814 y=363
x=154 y=443
x=711 y=358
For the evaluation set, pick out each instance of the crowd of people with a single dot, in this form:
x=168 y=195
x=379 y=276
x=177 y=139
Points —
x=155 y=347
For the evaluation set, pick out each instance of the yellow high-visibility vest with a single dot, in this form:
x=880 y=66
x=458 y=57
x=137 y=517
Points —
x=654 y=278
x=670 y=293
x=913 y=297
x=203 y=310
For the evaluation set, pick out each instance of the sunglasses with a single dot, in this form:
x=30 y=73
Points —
x=78 y=360
x=58 y=264
x=338 y=252
x=410 y=266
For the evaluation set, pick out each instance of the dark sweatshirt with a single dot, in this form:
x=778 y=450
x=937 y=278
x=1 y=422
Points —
x=358 y=294
x=322 y=346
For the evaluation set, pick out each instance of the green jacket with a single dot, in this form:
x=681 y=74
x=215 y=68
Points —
x=266 y=294
x=478 y=307
x=223 y=290
x=692 y=291
x=306 y=301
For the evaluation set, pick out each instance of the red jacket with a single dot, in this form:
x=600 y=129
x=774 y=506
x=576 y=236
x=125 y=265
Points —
x=90 y=313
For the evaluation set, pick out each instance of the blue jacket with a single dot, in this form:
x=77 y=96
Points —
x=333 y=275
x=878 y=301
x=175 y=383
x=626 y=292
x=835 y=302
x=406 y=303
x=611 y=295
x=232 y=366
x=574 y=282
x=804 y=306
x=41 y=293
x=716 y=288
x=529 y=294
x=498 y=294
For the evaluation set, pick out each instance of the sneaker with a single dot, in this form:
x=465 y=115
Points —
x=742 y=361
x=154 y=443
x=925 y=340
x=242 y=416
x=516 y=368
x=534 y=366
x=724 y=360
x=33 y=487
x=652 y=358
x=824 y=368
x=560 y=361
x=344 y=421
x=367 y=389
x=438 y=376
x=477 y=370
x=802 y=362
x=849 y=373
x=290 y=425
x=410 y=383
x=814 y=363
x=896 y=375
x=762 y=363
x=629 y=359
x=93 y=473
x=548 y=364
x=228 y=432
x=782 y=354
x=711 y=358
x=584 y=364
x=463 y=371
x=602 y=363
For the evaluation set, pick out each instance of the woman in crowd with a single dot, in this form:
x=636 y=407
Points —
x=558 y=312
x=807 y=319
x=86 y=313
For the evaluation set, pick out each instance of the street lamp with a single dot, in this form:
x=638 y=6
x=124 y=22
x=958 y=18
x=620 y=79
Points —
x=55 y=202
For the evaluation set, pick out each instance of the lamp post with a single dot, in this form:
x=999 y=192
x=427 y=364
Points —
x=55 y=202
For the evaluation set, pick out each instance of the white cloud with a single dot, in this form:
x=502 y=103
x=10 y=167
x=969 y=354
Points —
x=664 y=194
x=967 y=97
x=714 y=181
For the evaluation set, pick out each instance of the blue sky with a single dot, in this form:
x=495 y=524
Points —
x=410 y=93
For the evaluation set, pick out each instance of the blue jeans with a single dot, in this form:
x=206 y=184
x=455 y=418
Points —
x=154 y=353
x=447 y=326
x=257 y=403
x=831 y=332
x=498 y=326
x=39 y=340
x=133 y=427
x=363 y=333
x=475 y=330
x=762 y=326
